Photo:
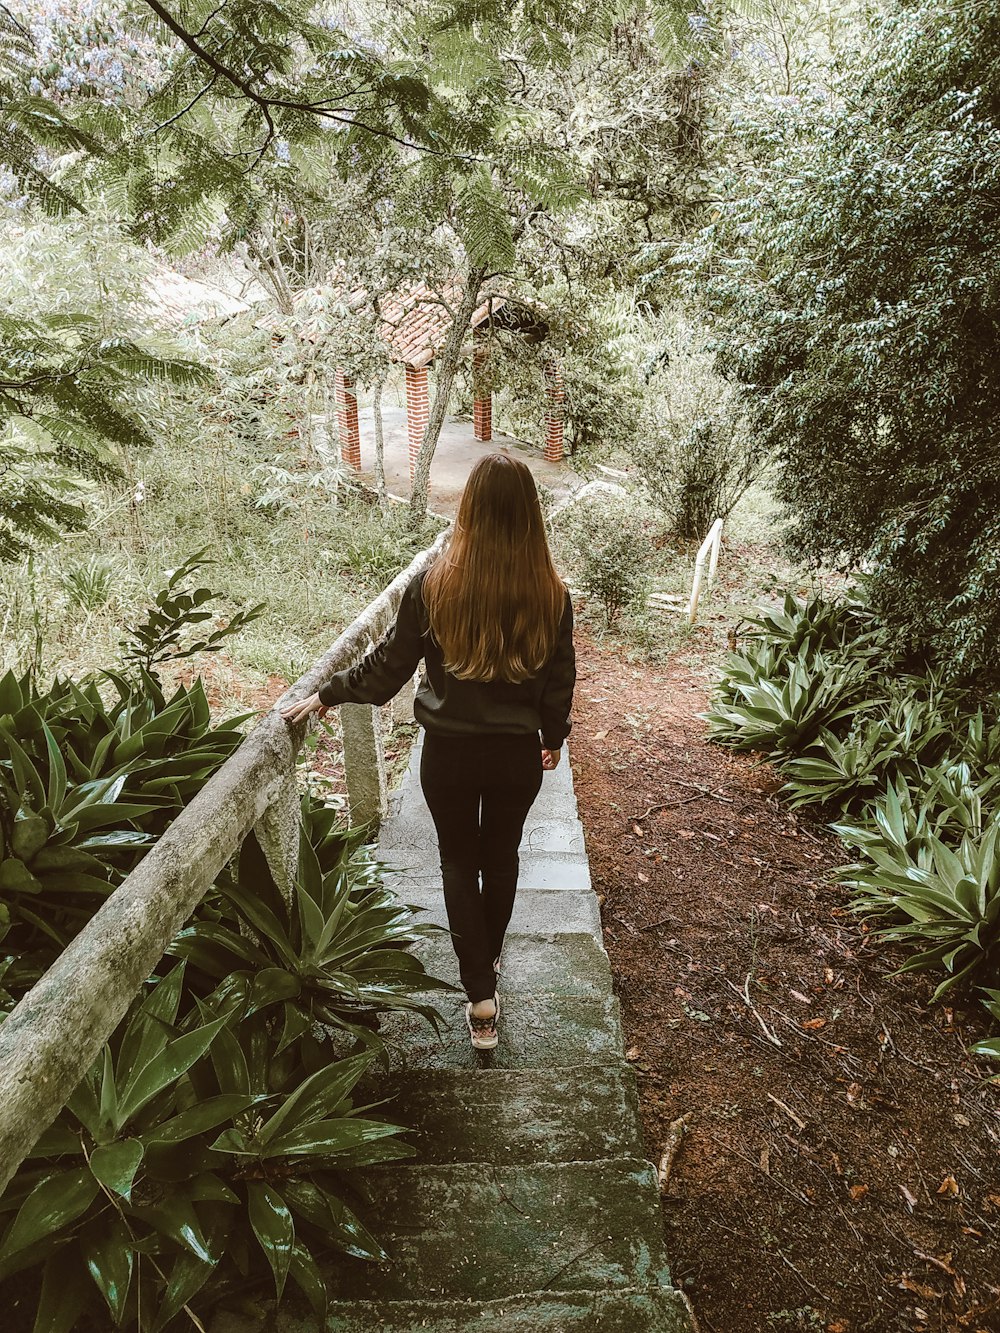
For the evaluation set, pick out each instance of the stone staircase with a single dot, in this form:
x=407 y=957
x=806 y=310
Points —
x=529 y=1207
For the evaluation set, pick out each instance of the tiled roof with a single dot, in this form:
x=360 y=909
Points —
x=416 y=320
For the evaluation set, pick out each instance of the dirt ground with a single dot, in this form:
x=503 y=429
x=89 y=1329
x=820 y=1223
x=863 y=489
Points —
x=841 y=1165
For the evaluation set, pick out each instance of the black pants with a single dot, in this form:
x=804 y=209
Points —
x=479 y=790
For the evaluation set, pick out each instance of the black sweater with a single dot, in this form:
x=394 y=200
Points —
x=451 y=707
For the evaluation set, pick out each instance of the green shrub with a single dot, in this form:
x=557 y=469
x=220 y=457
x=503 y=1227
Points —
x=912 y=764
x=212 y=1141
x=610 y=548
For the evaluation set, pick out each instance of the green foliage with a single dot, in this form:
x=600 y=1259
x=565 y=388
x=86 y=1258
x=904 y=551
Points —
x=91 y=772
x=851 y=269
x=609 y=542
x=943 y=899
x=693 y=449
x=212 y=1141
x=911 y=763
x=157 y=638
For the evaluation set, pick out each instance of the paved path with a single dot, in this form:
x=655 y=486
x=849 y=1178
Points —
x=529 y=1207
x=457 y=450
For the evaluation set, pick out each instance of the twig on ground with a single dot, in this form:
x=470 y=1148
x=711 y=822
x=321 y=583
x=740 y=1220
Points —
x=675 y=1137
x=744 y=995
x=663 y=805
x=787 y=1110
x=804 y=1280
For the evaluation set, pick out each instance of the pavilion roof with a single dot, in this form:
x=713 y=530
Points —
x=416 y=319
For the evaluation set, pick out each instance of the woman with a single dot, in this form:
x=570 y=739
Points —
x=494 y=624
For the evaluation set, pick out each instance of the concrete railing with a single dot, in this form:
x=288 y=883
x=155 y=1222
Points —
x=54 y=1034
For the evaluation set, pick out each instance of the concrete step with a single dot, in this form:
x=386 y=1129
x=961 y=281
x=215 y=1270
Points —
x=409 y=834
x=566 y=964
x=512 y=1117
x=536 y=1032
x=656 y=1310
x=481 y=1232
x=635 y=1310
x=539 y=870
x=536 y=911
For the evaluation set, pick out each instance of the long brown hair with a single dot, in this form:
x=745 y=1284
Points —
x=493 y=596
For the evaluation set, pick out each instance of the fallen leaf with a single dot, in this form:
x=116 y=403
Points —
x=857 y=1192
x=948 y=1186
x=685 y=833
x=828 y=975
x=637 y=830
x=797 y=995
x=910 y=1198
x=838 y=1326
x=906 y=1283
x=814 y=1023
x=643 y=879
x=854 y=1093
x=962 y=1120
x=600 y=735
x=633 y=1053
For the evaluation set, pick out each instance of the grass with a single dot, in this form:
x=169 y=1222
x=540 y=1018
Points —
x=301 y=540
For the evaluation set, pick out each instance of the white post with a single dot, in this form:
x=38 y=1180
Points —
x=711 y=543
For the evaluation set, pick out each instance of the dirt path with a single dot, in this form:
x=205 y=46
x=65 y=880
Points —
x=842 y=1166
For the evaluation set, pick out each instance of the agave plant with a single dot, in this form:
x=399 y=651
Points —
x=785 y=715
x=335 y=955
x=846 y=772
x=176 y=1158
x=991 y=1046
x=945 y=901
x=817 y=624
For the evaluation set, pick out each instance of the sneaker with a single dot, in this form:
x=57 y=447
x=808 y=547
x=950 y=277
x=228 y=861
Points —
x=483 y=1031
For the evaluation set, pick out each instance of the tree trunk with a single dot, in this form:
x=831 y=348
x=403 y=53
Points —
x=379 y=443
x=446 y=364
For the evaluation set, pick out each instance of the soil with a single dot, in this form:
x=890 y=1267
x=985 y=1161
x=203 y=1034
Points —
x=840 y=1169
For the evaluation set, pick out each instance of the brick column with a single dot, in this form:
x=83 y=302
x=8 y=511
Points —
x=417 y=411
x=555 y=399
x=347 y=421
x=482 y=402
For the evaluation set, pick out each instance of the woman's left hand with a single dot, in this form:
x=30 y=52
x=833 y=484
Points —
x=298 y=712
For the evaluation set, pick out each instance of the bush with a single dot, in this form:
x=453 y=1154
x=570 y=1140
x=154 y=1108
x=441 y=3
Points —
x=913 y=762
x=693 y=448
x=211 y=1143
x=610 y=549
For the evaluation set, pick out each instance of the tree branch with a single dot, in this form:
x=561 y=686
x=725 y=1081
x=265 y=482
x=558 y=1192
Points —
x=190 y=40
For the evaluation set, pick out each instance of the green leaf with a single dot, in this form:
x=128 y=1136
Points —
x=109 y=1252
x=187 y=1277
x=64 y=1293
x=175 y=1217
x=175 y=1059
x=305 y=1273
x=54 y=1203
x=197 y=1119
x=273 y=1226
x=315 y=1095
x=116 y=1164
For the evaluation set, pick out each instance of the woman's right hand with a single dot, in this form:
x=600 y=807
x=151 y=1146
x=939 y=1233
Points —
x=298 y=712
x=550 y=758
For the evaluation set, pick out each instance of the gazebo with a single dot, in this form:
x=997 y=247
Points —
x=415 y=323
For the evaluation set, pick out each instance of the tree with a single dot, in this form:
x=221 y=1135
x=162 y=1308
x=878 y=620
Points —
x=853 y=272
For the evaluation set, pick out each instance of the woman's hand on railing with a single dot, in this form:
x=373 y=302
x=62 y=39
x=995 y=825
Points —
x=550 y=758
x=298 y=712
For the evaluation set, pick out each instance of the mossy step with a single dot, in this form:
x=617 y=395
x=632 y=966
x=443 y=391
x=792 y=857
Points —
x=536 y=1032
x=652 y=1310
x=512 y=1116
x=538 y=964
x=536 y=911
x=482 y=1231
